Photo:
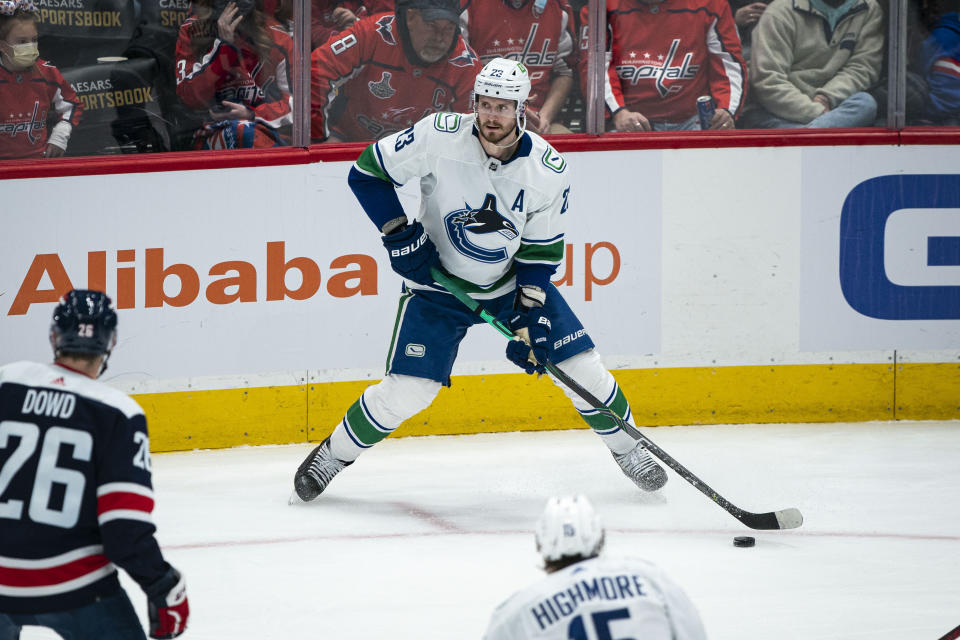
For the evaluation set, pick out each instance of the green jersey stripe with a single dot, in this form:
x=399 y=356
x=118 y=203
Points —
x=550 y=253
x=367 y=163
x=361 y=427
x=401 y=308
x=601 y=422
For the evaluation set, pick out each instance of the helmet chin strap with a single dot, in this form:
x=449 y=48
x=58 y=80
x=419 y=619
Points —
x=103 y=365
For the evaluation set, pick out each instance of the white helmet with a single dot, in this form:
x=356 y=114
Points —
x=505 y=79
x=502 y=78
x=569 y=527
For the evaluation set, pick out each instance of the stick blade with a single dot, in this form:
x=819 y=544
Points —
x=784 y=519
x=789 y=518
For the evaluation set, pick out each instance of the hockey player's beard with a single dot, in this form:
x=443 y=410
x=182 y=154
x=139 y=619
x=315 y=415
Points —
x=497 y=135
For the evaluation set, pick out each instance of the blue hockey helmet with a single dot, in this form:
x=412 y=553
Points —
x=84 y=322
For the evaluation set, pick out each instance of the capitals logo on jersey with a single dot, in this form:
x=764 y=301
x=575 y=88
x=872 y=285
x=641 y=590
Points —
x=659 y=70
x=465 y=59
x=463 y=222
x=26 y=123
x=385 y=29
x=545 y=56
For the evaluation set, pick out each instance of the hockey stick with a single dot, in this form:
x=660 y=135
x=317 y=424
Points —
x=783 y=519
x=952 y=635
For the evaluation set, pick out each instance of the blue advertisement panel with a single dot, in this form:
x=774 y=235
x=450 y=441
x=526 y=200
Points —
x=881 y=250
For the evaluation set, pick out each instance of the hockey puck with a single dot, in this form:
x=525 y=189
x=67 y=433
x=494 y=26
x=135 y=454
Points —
x=744 y=541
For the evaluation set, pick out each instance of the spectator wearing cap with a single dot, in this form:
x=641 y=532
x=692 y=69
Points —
x=389 y=70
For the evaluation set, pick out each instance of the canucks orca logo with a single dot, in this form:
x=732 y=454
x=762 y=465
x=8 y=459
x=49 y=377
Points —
x=486 y=219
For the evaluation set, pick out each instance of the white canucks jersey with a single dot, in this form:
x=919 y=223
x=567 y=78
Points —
x=599 y=598
x=485 y=216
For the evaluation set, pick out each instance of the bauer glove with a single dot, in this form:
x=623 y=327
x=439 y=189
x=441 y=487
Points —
x=532 y=326
x=412 y=253
x=167 y=605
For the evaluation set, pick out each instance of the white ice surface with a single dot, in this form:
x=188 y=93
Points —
x=422 y=537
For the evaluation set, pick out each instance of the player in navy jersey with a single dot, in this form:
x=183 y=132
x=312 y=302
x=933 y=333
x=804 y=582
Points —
x=76 y=493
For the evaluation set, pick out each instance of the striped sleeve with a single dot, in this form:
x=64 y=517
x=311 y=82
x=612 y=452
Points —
x=124 y=501
x=944 y=81
x=542 y=243
x=728 y=76
x=547 y=252
x=65 y=101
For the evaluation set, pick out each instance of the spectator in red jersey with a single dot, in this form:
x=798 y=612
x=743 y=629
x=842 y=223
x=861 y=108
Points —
x=664 y=55
x=30 y=89
x=232 y=65
x=389 y=70
x=538 y=33
x=329 y=17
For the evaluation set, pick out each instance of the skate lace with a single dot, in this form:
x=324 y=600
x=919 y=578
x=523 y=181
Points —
x=324 y=467
x=636 y=462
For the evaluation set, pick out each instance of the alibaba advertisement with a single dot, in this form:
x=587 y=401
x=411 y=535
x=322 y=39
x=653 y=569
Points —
x=239 y=272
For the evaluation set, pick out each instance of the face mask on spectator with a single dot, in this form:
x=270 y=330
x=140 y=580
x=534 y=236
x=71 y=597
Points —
x=22 y=55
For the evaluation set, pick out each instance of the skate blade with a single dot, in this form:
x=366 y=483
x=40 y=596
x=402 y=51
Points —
x=294 y=499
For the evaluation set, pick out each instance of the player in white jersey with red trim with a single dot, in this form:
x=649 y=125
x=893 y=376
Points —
x=75 y=492
x=586 y=595
x=494 y=202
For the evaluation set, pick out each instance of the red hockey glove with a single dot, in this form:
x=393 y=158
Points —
x=167 y=606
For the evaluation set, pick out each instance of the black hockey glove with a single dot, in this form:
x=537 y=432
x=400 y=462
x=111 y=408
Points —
x=167 y=605
x=412 y=253
x=532 y=325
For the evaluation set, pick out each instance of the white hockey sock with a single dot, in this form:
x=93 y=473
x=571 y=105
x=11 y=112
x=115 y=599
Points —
x=382 y=408
x=588 y=370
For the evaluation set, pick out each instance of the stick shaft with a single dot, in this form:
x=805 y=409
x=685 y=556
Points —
x=786 y=519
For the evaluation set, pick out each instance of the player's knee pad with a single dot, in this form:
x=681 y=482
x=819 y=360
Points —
x=588 y=371
x=398 y=397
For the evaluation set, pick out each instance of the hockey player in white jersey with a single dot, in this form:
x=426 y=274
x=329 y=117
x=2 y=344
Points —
x=586 y=596
x=494 y=201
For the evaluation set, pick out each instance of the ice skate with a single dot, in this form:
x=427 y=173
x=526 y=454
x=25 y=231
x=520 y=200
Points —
x=316 y=472
x=640 y=467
